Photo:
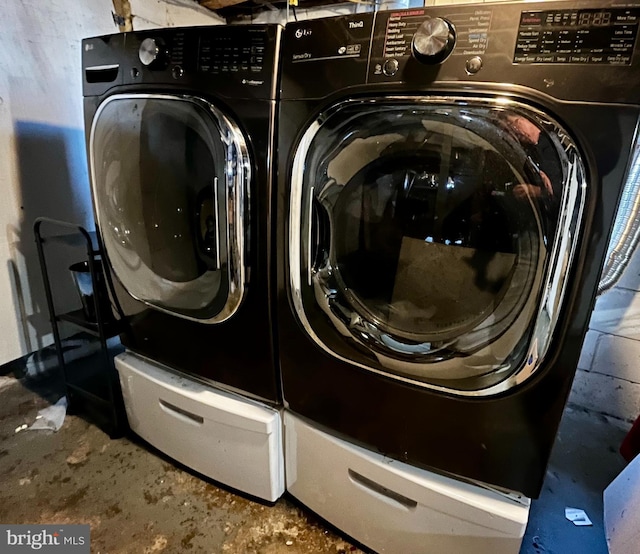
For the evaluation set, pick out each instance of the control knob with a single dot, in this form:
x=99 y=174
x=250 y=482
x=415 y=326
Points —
x=152 y=52
x=433 y=41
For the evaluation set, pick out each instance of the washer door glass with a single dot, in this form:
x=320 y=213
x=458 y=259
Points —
x=170 y=178
x=436 y=234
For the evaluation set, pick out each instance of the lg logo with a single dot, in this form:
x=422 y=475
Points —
x=302 y=33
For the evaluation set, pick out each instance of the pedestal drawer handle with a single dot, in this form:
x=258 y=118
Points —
x=175 y=411
x=382 y=490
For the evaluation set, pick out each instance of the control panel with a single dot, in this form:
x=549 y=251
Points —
x=399 y=33
x=220 y=50
x=402 y=38
x=238 y=61
x=589 y=36
x=575 y=50
x=157 y=52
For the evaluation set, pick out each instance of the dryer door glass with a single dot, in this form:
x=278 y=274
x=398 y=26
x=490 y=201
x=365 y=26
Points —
x=170 y=181
x=437 y=235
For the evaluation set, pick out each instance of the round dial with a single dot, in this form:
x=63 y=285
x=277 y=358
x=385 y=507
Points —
x=151 y=51
x=433 y=41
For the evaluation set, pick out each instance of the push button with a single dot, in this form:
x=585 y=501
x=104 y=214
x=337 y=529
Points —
x=473 y=65
x=390 y=67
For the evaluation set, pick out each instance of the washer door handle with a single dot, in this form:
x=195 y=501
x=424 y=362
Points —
x=208 y=239
x=318 y=234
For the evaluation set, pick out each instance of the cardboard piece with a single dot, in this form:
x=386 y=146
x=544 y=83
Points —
x=621 y=508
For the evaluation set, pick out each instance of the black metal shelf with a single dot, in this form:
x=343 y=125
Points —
x=91 y=382
x=73 y=239
x=80 y=320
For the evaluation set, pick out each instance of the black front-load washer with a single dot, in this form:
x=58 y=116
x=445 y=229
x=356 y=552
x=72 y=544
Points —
x=448 y=179
x=180 y=133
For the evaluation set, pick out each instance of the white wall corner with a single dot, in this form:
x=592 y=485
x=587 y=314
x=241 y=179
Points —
x=43 y=168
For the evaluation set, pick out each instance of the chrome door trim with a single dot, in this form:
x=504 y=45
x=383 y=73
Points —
x=237 y=193
x=216 y=210
x=560 y=259
x=309 y=237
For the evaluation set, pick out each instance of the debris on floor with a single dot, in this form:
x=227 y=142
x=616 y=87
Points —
x=7 y=382
x=136 y=500
x=52 y=417
x=577 y=516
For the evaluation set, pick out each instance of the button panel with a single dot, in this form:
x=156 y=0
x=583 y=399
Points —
x=222 y=54
x=592 y=36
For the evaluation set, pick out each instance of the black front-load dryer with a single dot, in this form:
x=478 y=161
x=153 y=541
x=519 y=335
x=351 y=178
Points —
x=448 y=179
x=180 y=132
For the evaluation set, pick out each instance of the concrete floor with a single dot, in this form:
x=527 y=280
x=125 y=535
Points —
x=137 y=501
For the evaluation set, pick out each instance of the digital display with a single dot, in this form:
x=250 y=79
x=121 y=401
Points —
x=592 y=36
x=594 y=18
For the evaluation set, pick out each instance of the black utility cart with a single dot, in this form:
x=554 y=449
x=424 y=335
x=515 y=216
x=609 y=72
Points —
x=91 y=380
